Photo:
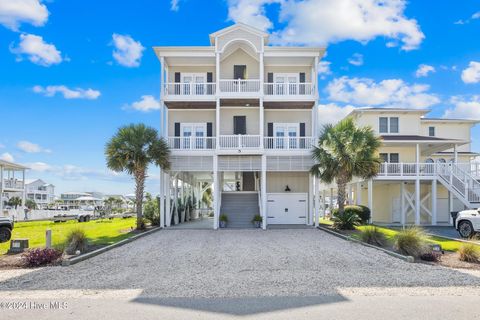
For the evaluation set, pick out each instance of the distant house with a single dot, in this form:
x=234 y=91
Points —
x=12 y=177
x=81 y=200
x=39 y=191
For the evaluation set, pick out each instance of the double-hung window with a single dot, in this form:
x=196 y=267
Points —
x=431 y=131
x=388 y=125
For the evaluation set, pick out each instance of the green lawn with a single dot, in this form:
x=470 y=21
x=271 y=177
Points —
x=447 y=244
x=98 y=231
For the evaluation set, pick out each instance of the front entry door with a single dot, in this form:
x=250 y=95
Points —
x=248 y=179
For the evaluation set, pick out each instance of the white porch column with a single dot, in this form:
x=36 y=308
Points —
x=450 y=206
x=370 y=198
x=217 y=123
x=455 y=154
x=262 y=121
x=168 y=216
x=216 y=193
x=162 y=199
x=263 y=190
x=417 y=201
x=217 y=69
x=417 y=185
x=324 y=200
x=434 y=201
x=358 y=195
x=317 y=201
x=262 y=74
x=175 y=200
x=311 y=194
x=402 y=203
x=24 y=193
x=162 y=85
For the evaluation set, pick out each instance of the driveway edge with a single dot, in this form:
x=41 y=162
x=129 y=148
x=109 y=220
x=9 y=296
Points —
x=391 y=253
x=88 y=255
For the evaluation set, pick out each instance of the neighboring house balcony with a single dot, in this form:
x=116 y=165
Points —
x=425 y=169
x=241 y=142
x=231 y=88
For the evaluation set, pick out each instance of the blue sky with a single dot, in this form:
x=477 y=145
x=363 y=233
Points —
x=72 y=72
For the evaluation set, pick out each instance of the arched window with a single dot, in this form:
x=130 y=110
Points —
x=429 y=160
x=441 y=160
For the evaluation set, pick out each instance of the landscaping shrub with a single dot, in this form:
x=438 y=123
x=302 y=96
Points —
x=40 y=256
x=431 y=256
x=151 y=211
x=411 y=241
x=348 y=220
x=362 y=212
x=372 y=235
x=76 y=240
x=469 y=253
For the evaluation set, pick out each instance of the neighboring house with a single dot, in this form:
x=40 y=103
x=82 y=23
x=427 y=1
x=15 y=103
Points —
x=42 y=193
x=240 y=116
x=12 y=178
x=81 y=200
x=428 y=170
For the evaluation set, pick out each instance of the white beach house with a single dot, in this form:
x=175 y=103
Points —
x=241 y=115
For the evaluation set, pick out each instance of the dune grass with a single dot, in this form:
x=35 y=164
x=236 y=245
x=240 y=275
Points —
x=99 y=232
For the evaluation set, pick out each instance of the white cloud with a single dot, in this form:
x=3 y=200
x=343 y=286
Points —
x=145 y=104
x=36 y=50
x=15 y=12
x=174 y=5
x=7 y=157
x=324 y=69
x=321 y=22
x=31 y=147
x=77 y=93
x=476 y=15
x=356 y=59
x=423 y=70
x=472 y=73
x=463 y=108
x=386 y=93
x=127 y=52
x=39 y=166
x=332 y=113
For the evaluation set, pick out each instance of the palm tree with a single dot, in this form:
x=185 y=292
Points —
x=14 y=202
x=132 y=149
x=345 y=151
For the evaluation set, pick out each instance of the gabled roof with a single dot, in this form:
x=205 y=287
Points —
x=237 y=26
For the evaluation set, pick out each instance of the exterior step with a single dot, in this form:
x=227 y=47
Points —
x=240 y=208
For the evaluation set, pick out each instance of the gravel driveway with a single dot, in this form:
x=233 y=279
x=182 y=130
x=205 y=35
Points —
x=240 y=263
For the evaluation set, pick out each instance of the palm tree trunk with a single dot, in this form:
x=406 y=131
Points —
x=139 y=188
x=342 y=186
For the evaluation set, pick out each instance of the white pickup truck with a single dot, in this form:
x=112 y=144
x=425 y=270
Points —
x=467 y=222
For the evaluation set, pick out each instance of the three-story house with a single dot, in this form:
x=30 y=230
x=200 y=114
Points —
x=240 y=117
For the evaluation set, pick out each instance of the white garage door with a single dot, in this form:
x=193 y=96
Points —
x=287 y=208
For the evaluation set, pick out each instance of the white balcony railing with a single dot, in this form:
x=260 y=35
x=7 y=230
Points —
x=191 y=143
x=239 y=141
x=189 y=89
x=240 y=86
x=13 y=184
x=288 y=89
x=424 y=169
x=289 y=143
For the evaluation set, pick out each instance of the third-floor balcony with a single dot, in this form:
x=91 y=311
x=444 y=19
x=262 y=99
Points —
x=238 y=88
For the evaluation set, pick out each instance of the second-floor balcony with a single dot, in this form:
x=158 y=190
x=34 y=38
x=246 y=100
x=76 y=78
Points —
x=240 y=141
x=238 y=87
